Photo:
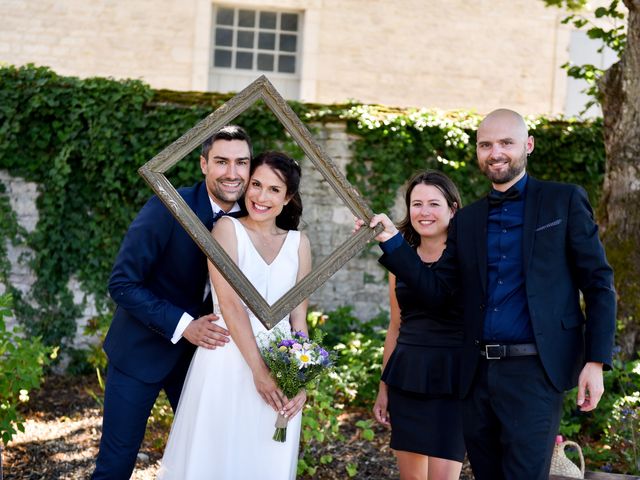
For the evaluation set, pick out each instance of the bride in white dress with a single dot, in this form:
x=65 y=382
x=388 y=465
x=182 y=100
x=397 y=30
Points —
x=224 y=422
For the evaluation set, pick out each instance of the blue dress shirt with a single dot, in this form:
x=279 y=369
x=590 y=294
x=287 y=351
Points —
x=507 y=317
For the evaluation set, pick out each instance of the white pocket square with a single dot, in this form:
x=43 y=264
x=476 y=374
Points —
x=549 y=225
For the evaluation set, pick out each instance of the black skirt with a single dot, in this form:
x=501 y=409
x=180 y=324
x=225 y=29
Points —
x=426 y=424
x=424 y=405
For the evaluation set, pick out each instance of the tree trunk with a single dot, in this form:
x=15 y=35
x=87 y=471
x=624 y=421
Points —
x=619 y=210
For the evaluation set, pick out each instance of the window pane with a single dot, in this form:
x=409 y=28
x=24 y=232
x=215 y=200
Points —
x=267 y=41
x=265 y=62
x=224 y=37
x=247 y=18
x=268 y=20
x=289 y=21
x=224 y=16
x=245 y=39
x=222 y=58
x=244 y=60
x=287 y=64
x=288 y=43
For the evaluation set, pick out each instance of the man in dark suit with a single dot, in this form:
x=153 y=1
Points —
x=518 y=260
x=159 y=281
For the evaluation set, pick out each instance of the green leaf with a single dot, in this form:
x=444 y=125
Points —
x=368 y=434
x=601 y=12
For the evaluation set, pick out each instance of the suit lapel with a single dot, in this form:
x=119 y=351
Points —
x=480 y=234
x=203 y=208
x=531 y=209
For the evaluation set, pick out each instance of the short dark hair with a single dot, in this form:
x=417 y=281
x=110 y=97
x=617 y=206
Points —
x=442 y=183
x=289 y=172
x=228 y=132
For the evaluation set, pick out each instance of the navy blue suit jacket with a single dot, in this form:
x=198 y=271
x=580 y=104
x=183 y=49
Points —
x=159 y=274
x=562 y=257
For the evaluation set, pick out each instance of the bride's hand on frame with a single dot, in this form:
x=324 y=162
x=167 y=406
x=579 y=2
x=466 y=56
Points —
x=294 y=405
x=268 y=390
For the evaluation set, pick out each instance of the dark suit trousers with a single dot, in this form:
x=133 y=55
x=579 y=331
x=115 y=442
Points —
x=127 y=405
x=511 y=418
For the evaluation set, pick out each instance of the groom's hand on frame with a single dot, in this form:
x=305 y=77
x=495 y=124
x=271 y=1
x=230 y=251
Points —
x=202 y=332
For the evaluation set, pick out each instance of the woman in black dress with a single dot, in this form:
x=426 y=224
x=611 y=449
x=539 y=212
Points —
x=418 y=394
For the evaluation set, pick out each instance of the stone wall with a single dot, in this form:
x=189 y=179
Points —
x=360 y=283
x=328 y=223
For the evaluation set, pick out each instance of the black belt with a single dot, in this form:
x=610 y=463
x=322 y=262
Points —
x=498 y=351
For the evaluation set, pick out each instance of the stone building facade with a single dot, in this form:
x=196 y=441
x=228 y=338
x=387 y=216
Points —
x=449 y=54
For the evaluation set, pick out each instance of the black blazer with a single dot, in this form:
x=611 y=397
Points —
x=562 y=257
x=159 y=274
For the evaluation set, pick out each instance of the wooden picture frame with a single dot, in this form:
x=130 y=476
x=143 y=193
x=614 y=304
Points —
x=153 y=173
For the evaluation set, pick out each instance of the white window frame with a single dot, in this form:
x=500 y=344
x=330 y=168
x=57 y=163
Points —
x=231 y=78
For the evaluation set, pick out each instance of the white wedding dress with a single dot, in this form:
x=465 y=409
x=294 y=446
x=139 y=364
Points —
x=222 y=428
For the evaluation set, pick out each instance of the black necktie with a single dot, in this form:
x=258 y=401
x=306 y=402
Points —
x=496 y=199
x=222 y=213
x=218 y=215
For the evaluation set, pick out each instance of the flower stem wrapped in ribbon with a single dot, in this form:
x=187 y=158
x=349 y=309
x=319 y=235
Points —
x=295 y=362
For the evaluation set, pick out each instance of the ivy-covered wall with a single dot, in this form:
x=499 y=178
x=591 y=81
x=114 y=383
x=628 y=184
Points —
x=395 y=143
x=82 y=141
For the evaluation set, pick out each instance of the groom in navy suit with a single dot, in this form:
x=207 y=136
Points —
x=159 y=281
x=518 y=261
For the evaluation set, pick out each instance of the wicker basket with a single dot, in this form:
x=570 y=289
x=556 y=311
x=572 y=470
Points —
x=561 y=465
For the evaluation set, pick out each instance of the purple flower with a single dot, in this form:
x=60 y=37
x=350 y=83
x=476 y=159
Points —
x=300 y=334
x=286 y=343
x=323 y=352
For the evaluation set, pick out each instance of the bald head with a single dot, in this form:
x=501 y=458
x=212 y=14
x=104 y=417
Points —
x=506 y=120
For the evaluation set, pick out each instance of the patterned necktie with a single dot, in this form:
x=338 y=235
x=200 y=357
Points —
x=496 y=199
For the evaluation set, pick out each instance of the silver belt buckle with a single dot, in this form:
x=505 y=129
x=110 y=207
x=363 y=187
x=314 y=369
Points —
x=499 y=349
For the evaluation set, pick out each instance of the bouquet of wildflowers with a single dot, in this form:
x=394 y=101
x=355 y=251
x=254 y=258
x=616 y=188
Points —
x=295 y=361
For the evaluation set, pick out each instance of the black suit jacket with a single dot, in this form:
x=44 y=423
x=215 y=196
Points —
x=159 y=274
x=562 y=256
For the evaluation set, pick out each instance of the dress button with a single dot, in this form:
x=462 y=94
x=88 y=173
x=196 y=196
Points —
x=504 y=230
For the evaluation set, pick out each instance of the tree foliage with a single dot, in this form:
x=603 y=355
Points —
x=606 y=25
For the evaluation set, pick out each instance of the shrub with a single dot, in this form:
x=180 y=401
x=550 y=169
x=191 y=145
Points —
x=22 y=362
x=609 y=435
x=352 y=383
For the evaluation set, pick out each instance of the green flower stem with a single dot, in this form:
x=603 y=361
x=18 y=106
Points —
x=280 y=435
